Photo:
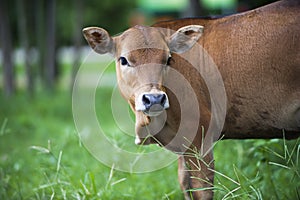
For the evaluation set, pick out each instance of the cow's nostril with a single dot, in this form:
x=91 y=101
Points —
x=163 y=99
x=154 y=99
x=146 y=100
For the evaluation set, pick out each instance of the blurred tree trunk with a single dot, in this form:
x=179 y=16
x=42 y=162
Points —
x=24 y=41
x=77 y=37
x=40 y=35
x=195 y=8
x=50 y=45
x=7 y=50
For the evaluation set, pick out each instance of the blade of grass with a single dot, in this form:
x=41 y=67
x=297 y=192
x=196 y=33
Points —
x=257 y=192
x=118 y=181
x=40 y=149
x=86 y=190
x=52 y=195
x=110 y=177
x=297 y=157
x=292 y=152
x=3 y=127
x=230 y=179
x=92 y=178
x=236 y=173
x=58 y=163
x=279 y=165
x=231 y=193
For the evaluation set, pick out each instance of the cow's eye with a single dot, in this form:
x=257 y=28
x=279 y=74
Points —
x=169 y=60
x=123 y=61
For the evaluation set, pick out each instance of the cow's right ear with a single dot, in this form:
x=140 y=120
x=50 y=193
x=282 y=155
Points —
x=99 y=40
x=185 y=38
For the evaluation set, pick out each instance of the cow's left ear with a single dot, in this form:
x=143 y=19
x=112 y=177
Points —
x=99 y=40
x=185 y=38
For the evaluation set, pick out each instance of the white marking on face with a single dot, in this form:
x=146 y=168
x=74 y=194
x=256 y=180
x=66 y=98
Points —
x=139 y=106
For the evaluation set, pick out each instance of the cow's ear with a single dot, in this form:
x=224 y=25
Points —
x=185 y=38
x=99 y=40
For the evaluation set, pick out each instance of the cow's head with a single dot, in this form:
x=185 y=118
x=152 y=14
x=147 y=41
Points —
x=143 y=56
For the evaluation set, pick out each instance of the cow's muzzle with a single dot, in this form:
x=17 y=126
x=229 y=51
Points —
x=152 y=104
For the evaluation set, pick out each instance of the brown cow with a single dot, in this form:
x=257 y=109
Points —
x=234 y=77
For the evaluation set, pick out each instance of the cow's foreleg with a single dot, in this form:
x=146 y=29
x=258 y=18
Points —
x=184 y=178
x=196 y=176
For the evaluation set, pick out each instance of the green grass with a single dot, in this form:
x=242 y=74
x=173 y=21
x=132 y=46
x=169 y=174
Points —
x=42 y=157
x=258 y=169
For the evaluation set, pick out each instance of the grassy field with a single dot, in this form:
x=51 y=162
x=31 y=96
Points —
x=42 y=157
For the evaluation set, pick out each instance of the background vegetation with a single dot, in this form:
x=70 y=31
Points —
x=41 y=155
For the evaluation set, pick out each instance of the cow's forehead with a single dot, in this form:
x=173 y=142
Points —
x=150 y=55
x=140 y=37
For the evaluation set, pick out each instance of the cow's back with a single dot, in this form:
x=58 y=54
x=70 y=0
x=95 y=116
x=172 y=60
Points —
x=258 y=56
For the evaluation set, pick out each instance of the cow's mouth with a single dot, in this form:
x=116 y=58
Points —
x=154 y=110
x=147 y=127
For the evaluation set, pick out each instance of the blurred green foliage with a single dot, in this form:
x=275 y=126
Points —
x=113 y=15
